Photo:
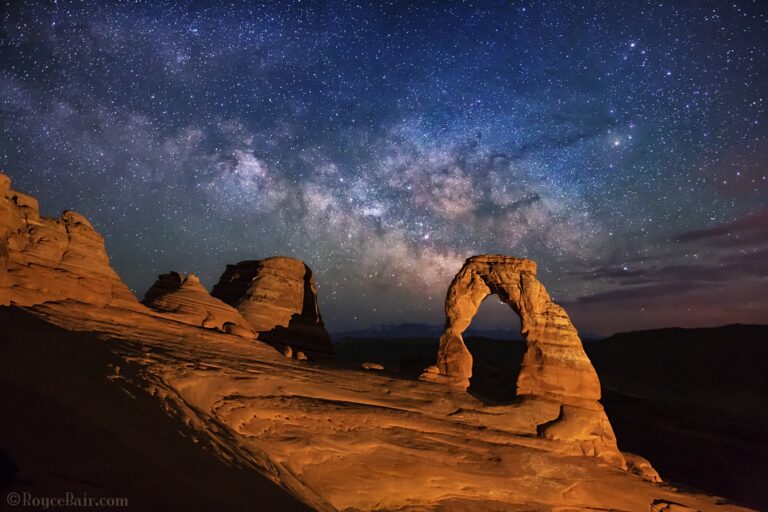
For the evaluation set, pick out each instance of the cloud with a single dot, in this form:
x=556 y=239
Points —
x=673 y=304
x=645 y=294
x=720 y=269
x=715 y=275
x=708 y=262
x=749 y=230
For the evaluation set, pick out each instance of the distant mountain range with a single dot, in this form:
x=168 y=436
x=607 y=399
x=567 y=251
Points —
x=414 y=330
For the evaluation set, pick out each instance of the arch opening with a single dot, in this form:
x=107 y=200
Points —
x=495 y=340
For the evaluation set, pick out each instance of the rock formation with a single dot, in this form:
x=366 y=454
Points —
x=555 y=367
x=43 y=259
x=184 y=299
x=278 y=298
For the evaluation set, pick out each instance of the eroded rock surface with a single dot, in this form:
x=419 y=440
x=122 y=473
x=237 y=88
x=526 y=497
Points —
x=348 y=440
x=555 y=368
x=44 y=259
x=183 y=298
x=278 y=298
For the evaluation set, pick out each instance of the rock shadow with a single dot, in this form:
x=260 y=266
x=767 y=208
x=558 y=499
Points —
x=495 y=367
x=305 y=331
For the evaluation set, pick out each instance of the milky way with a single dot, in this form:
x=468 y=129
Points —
x=621 y=145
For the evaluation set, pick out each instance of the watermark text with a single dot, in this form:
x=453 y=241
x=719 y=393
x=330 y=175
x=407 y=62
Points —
x=68 y=499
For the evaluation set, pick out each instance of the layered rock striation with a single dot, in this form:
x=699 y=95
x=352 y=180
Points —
x=555 y=368
x=278 y=298
x=183 y=298
x=44 y=259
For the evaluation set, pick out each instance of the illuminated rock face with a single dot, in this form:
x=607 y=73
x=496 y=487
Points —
x=184 y=299
x=278 y=298
x=44 y=259
x=555 y=367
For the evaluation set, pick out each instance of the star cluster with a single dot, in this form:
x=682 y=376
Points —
x=622 y=145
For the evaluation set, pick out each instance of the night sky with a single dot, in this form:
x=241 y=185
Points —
x=623 y=146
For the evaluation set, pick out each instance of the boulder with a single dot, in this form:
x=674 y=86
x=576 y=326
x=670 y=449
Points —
x=661 y=505
x=184 y=299
x=44 y=259
x=278 y=298
x=238 y=330
x=641 y=467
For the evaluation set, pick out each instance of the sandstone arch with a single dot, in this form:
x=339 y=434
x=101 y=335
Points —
x=554 y=364
x=555 y=370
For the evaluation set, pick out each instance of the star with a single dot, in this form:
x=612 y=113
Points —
x=386 y=143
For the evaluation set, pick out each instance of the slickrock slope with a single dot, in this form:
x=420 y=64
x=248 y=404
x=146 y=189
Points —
x=183 y=298
x=351 y=439
x=278 y=298
x=78 y=420
x=556 y=379
x=44 y=259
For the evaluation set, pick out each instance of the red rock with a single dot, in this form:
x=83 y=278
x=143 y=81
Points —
x=555 y=367
x=641 y=467
x=43 y=259
x=238 y=330
x=278 y=298
x=184 y=299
